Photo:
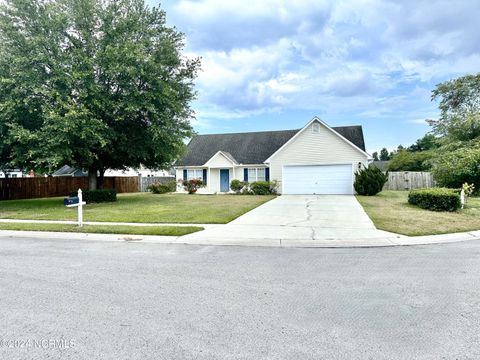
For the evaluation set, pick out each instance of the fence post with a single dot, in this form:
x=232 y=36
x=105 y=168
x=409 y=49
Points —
x=140 y=183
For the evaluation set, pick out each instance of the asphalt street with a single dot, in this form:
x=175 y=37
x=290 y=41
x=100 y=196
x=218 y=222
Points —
x=71 y=299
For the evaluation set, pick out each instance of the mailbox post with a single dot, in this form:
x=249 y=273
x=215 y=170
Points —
x=80 y=208
x=78 y=203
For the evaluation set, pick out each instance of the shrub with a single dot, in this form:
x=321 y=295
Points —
x=410 y=161
x=97 y=196
x=369 y=181
x=162 y=188
x=455 y=167
x=192 y=185
x=260 y=188
x=237 y=186
x=436 y=199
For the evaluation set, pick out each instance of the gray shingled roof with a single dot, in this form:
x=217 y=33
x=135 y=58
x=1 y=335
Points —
x=251 y=147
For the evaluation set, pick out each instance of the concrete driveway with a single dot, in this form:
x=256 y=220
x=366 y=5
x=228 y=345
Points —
x=299 y=217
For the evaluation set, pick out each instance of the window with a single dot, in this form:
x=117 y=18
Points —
x=256 y=174
x=195 y=174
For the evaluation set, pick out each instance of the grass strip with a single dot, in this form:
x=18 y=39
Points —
x=104 y=229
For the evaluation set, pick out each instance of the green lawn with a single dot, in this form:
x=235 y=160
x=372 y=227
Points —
x=140 y=207
x=390 y=211
x=104 y=229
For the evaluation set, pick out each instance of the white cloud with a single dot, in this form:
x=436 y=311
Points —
x=371 y=58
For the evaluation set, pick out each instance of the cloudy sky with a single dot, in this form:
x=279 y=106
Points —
x=273 y=64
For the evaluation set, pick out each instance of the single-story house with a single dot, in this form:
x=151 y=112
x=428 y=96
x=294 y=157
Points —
x=13 y=173
x=316 y=159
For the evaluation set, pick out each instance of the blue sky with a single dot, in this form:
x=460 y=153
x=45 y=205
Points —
x=272 y=64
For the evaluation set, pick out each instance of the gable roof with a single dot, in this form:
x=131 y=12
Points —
x=251 y=147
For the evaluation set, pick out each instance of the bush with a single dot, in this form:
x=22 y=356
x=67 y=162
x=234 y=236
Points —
x=192 y=185
x=97 y=196
x=436 y=199
x=162 y=188
x=263 y=188
x=454 y=167
x=369 y=181
x=410 y=161
x=237 y=186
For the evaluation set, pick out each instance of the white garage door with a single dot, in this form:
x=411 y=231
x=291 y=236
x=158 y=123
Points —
x=318 y=179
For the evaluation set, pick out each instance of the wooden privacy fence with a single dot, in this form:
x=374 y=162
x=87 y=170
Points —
x=38 y=187
x=406 y=180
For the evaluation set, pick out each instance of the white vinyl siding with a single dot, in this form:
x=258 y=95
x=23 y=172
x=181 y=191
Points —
x=256 y=174
x=310 y=148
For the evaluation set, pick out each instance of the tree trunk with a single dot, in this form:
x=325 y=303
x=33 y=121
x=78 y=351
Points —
x=101 y=178
x=92 y=179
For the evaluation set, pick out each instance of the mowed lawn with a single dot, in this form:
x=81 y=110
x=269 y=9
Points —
x=140 y=207
x=391 y=211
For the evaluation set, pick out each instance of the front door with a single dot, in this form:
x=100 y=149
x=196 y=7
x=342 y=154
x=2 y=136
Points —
x=224 y=180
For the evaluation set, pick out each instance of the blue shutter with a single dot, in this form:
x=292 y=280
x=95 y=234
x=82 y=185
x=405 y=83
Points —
x=205 y=176
x=245 y=174
x=267 y=174
x=184 y=174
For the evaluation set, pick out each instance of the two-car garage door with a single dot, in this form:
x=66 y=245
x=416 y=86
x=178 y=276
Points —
x=318 y=179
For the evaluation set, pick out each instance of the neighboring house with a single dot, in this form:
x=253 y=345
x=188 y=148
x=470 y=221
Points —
x=71 y=171
x=317 y=159
x=66 y=170
x=15 y=173
x=381 y=164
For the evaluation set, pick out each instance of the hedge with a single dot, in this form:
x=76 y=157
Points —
x=436 y=199
x=98 y=196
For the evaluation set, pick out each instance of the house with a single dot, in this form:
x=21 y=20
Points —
x=66 y=170
x=72 y=171
x=381 y=164
x=317 y=159
x=14 y=173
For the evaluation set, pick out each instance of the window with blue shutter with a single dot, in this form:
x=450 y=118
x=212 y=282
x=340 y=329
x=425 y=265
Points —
x=204 y=176
x=245 y=174
x=267 y=174
x=185 y=174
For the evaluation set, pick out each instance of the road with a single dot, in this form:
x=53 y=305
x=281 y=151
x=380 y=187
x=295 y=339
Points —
x=70 y=299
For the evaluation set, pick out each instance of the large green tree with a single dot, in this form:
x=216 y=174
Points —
x=459 y=104
x=94 y=84
x=458 y=159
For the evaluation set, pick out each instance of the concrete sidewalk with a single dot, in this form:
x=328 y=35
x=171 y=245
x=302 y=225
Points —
x=231 y=241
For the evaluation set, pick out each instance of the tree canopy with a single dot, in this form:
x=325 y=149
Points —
x=457 y=160
x=92 y=83
x=459 y=104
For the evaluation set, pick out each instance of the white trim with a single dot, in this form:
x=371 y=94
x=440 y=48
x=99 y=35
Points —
x=353 y=164
x=221 y=153
x=315 y=118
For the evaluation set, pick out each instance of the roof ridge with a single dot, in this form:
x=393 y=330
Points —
x=249 y=132
x=270 y=131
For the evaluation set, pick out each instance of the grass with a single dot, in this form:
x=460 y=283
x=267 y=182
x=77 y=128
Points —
x=390 y=211
x=104 y=229
x=140 y=207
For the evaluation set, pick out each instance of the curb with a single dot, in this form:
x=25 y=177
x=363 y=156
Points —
x=283 y=243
